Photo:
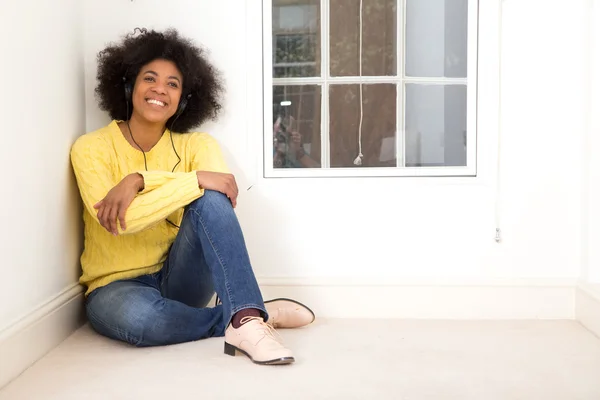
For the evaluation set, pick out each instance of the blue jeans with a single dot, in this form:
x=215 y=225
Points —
x=208 y=255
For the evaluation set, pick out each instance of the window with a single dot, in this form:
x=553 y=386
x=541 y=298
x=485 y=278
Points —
x=370 y=87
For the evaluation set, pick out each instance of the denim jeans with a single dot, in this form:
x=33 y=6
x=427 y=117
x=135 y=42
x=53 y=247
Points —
x=209 y=254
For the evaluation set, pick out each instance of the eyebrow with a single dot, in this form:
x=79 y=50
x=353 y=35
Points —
x=155 y=74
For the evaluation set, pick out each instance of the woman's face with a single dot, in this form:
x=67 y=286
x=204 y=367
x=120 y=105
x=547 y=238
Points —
x=157 y=91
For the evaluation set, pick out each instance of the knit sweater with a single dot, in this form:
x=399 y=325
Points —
x=101 y=159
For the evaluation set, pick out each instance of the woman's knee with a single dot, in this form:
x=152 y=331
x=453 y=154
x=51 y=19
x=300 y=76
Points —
x=128 y=315
x=212 y=200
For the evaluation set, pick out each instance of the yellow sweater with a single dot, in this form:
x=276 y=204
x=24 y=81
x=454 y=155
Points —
x=101 y=159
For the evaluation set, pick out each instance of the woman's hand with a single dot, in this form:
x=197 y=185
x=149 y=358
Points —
x=219 y=182
x=115 y=204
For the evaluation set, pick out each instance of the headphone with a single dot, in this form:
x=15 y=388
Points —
x=183 y=102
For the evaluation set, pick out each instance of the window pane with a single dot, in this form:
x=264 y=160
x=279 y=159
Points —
x=436 y=125
x=379 y=37
x=297 y=126
x=296 y=38
x=436 y=38
x=378 y=129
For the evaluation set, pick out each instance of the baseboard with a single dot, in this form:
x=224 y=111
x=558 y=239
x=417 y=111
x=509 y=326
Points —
x=588 y=307
x=423 y=299
x=28 y=340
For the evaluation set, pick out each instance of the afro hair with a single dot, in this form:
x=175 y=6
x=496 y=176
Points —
x=119 y=64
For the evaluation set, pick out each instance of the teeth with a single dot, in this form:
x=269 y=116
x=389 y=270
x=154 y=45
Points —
x=158 y=103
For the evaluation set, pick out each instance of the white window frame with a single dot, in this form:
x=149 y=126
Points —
x=470 y=170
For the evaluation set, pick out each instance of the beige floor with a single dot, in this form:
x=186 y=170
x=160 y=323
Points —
x=336 y=359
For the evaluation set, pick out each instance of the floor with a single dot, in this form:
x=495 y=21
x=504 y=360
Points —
x=336 y=359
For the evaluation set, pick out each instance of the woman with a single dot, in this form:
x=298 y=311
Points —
x=161 y=235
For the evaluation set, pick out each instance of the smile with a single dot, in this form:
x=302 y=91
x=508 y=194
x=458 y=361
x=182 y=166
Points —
x=156 y=102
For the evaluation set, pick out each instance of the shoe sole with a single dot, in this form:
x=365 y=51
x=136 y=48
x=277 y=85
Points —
x=295 y=302
x=231 y=350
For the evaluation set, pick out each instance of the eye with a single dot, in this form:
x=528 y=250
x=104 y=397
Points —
x=174 y=85
x=149 y=79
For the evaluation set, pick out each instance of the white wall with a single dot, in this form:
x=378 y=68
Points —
x=544 y=121
x=591 y=220
x=42 y=113
x=394 y=230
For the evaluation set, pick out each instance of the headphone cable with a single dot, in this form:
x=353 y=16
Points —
x=144 y=153
x=179 y=112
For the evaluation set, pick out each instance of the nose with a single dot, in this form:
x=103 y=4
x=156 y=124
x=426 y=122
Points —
x=159 y=88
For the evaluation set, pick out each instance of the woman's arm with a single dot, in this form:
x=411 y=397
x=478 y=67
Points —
x=204 y=154
x=142 y=199
x=95 y=180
